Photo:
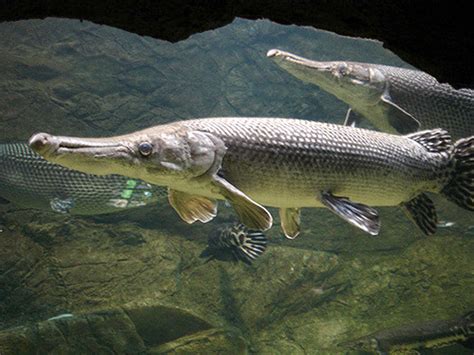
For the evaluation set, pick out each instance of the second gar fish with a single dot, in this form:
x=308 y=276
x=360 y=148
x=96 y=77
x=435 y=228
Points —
x=393 y=99
x=284 y=163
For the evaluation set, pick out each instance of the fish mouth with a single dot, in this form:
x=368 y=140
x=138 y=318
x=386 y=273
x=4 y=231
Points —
x=282 y=57
x=50 y=146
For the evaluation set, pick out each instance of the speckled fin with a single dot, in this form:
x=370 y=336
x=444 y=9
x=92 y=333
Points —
x=250 y=212
x=290 y=222
x=402 y=121
x=422 y=212
x=250 y=244
x=434 y=140
x=361 y=216
x=192 y=208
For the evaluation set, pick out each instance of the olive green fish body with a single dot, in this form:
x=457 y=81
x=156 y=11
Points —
x=287 y=162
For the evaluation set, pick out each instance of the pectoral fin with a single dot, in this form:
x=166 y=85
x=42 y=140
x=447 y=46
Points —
x=250 y=213
x=352 y=118
x=192 y=208
x=359 y=215
x=398 y=118
x=290 y=222
x=422 y=212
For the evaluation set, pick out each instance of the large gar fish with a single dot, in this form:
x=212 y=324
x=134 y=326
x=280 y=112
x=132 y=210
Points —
x=285 y=163
x=29 y=181
x=395 y=100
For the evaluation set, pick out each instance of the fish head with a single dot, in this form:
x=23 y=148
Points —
x=354 y=83
x=157 y=155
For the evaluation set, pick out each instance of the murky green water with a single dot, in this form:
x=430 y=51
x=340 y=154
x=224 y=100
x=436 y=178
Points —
x=134 y=281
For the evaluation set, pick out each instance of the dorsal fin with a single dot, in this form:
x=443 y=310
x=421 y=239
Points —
x=435 y=140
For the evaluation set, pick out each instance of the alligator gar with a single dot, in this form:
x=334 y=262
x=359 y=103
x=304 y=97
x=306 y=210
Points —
x=393 y=99
x=425 y=335
x=29 y=181
x=284 y=163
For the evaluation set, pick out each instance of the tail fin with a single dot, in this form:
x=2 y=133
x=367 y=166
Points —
x=460 y=189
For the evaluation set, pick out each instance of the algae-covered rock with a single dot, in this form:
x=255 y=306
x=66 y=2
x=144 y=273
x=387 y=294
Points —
x=148 y=330
x=89 y=266
x=98 y=333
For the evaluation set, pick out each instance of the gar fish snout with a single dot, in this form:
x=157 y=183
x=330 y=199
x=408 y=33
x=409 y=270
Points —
x=43 y=143
x=288 y=58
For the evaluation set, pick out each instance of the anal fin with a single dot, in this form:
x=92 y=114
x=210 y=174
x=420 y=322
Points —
x=359 y=215
x=192 y=208
x=250 y=212
x=422 y=212
x=290 y=222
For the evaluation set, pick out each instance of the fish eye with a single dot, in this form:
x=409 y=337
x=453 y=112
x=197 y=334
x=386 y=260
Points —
x=145 y=148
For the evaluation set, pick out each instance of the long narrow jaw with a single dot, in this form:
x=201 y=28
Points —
x=304 y=69
x=289 y=61
x=98 y=156
x=354 y=83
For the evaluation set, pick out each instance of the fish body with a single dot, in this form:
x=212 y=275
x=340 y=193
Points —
x=237 y=241
x=298 y=158
x=284 y=163
x=413 y=337
x=29 y=181
x=395 y=100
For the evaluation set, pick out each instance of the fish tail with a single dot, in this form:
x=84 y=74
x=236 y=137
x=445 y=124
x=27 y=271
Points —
x=250 y=244
x=460 y=189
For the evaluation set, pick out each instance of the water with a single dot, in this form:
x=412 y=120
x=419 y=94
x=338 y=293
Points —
x=133 y=281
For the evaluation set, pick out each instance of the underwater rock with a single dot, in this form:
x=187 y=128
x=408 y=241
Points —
x=151 y=330
x=290 y=299
x=81 y=266
x=97 y=333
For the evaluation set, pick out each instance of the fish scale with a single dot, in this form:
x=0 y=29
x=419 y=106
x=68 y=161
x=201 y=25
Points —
x=301 y=158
